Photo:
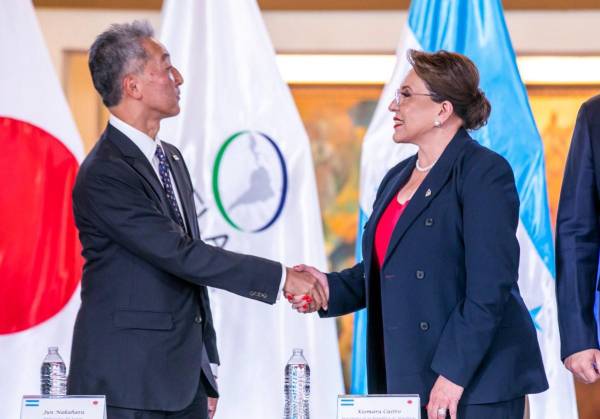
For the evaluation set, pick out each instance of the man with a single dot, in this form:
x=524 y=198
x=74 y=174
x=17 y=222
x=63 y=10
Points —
x=144 y=335
x=577 y=247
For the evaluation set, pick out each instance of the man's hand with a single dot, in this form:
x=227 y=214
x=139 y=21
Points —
x=299 y=302
x=306 y=287
x=212 y=407
x=443 y=399
x=584 y=365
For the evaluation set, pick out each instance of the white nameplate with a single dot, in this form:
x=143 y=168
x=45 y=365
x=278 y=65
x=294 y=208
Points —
x=384 y=406
x=69 y=407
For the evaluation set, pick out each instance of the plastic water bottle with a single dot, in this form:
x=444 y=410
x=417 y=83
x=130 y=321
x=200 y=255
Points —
x=297 y=387
x=54 y=374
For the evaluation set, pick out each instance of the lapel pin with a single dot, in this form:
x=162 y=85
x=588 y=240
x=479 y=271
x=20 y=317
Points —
x=428 y=193
x=175 y=157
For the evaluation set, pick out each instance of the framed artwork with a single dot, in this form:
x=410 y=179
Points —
x=555 y=110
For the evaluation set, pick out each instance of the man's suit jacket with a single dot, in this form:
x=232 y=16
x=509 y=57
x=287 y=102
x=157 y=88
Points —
x=446 y=300
x=578 y=234
x=144 y=333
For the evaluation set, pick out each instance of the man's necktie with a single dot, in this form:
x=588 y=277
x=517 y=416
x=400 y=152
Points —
x=163 y=170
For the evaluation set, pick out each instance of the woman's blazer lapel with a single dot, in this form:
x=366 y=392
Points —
x=387 y=194
x=428 y=190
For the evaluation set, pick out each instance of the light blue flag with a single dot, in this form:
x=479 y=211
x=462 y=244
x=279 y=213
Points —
x=476 y=28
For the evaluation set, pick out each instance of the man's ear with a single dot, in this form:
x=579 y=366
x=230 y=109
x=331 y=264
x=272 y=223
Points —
x=132 y=86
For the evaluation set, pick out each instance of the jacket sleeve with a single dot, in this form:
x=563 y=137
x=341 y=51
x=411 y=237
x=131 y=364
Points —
x=490 y=219
x=114 y=198
x=577 y=242
x=346 y=291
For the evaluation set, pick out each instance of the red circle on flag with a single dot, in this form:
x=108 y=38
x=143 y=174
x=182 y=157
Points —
x=40 y=254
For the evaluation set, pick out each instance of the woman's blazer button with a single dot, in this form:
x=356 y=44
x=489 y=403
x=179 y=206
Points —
x=424 y=326
x=420 y=274
x=429 y=222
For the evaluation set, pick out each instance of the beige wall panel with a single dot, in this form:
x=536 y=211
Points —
x=75 y=29
x=550 y=32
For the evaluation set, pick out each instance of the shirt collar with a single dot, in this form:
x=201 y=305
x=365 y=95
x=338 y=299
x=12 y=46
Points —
x=146 y=144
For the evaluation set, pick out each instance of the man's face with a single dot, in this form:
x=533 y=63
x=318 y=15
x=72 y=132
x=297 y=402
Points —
x=160 y=81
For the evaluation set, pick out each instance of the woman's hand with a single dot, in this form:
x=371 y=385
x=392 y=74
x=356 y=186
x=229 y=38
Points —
x=444 y=397
x=304 y=303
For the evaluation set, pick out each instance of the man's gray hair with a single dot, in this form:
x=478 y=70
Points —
x=115 y=53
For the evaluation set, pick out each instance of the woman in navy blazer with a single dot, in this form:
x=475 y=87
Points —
x=445 y=317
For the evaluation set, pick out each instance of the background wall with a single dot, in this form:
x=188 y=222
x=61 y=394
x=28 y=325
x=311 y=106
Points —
x=532 y=32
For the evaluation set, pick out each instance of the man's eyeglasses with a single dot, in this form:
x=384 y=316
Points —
x=401 y=95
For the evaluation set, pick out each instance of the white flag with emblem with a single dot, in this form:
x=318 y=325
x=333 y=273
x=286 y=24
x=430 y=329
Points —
x=250 y=161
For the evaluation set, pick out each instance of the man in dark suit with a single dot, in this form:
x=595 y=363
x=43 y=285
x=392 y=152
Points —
x=144 y=335
x=577 y=247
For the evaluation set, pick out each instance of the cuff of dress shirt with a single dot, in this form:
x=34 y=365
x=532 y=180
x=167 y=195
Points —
x=282 y=282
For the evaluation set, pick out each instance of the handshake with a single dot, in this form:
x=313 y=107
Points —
x=306 y=288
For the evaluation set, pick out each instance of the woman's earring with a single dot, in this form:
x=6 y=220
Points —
x=437 y=123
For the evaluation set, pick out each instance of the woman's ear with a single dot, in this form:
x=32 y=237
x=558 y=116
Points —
x=446 y=110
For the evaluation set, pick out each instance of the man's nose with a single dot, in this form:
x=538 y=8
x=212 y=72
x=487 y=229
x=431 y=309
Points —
x=177 y=76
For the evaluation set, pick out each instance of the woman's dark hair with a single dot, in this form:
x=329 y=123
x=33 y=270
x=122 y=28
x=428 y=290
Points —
x=453 y=77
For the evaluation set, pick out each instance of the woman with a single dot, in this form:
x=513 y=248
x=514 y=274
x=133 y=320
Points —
x=440 y=269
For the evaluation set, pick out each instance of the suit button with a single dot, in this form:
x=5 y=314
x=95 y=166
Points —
x=424 y=326
x=198 y=319
x=429 y=222
x=420 y=274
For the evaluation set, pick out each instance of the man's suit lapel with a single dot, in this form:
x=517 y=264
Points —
x=184 y=188
x=427 y=191
x=138 y=161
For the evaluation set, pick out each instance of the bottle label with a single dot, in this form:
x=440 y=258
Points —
x=64 y=407
x=384 y=406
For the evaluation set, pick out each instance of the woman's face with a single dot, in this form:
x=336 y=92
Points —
x=414 y=111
